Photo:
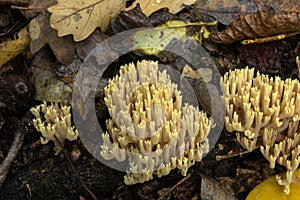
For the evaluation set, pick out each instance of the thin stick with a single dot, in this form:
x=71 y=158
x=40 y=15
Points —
x=25 y=8
x=14 y=149
x=218 y=158
x=11 y=28
x=176 y=185
x=73 y=168
x=15 y=2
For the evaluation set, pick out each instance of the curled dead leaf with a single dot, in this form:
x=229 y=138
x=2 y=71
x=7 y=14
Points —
x=226 y=11
x=260 y=24
x=281 y=6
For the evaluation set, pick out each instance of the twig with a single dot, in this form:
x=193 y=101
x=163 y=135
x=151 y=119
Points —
x=73 y=168
x=15 y=2
x=30 y=8
x=11 y=28
x=15 y=147
x=218 y=158
x=172 y=188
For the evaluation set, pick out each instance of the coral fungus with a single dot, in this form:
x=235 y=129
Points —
x=54 y=122
x=149 y=125
x=265 y=112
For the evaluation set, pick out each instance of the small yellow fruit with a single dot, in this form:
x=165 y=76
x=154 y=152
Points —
x=269 y=189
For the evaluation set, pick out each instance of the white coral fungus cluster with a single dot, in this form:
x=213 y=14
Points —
x=265 y=112
x=149 y=125
x=54 y=121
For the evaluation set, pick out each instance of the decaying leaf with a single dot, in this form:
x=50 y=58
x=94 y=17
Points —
x=226 y=11
x=130 y=19
x=150 y=6
x=211 y=189
x=203 y=74
x=64 y=48
x=153 y=41
x=84 y=47
x=41 y=34
x=12 y=48
x=47 y=86
x=260 y=24
x=281 y=6
x=81 y=18
x=264 y=57
x=35 y=7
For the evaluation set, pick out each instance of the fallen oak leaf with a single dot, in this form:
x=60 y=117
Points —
x=150 y=6
x=81 y=18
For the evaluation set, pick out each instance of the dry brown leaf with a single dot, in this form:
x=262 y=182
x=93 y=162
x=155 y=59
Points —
x=46 y=84
x=12 y=48
x=150 y=6
x=226 y=11
x=260 y=24
x=41 y=34
x=36 y=7
x=203 y=74
x=281 y=5
x=81 y=18
x=64 y=48
x=213 y=190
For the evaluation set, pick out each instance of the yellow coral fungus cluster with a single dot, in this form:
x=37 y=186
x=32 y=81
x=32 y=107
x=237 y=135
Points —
x=269 y=189
x=54 y=122
x=149 y=126
x=265 y=112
